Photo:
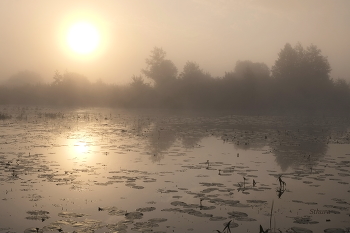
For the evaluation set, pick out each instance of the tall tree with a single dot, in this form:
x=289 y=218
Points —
x=249 y=68
x=191 y=71
x=160 y=70
x=195 y=86
x=297 y=65
x=302 y=76
x=58 y=78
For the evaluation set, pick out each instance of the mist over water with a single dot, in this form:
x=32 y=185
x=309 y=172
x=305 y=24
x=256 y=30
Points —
x=299 y=82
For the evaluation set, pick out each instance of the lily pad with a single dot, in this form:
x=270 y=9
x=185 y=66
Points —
x=232 y=224
x=236 y=214
x=158 y=220
x=133 y=215
x=217 y=218
x=70 y=215
x=334 y=230
x=246 y=219
x=256 y=201
x=300 y=230
x=120 y=227
x=304 y=220
x=146 y=209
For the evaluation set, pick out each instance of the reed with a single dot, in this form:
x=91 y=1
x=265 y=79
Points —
x=271 y=214
x=226 y=229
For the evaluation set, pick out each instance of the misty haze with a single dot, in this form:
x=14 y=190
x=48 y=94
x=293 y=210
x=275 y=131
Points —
x=156 y=116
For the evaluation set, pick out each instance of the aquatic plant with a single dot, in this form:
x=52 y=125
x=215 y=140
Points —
x=282 y=183
x=262 y=230
x=208 y=164
x=226 y=228
x=271 y=213
x=280 y=191
x=53 y=115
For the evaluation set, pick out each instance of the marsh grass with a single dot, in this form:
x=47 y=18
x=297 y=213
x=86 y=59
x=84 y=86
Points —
x=50 y=115
x=53 y=115
x=4 y=116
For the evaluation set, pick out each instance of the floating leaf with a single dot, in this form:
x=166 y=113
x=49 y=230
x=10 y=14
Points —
x=300 y=230
x=133 y=215
x=334 y=230
x=146 y=209
x=70 y=215
x=236 y=214
x=217 y=218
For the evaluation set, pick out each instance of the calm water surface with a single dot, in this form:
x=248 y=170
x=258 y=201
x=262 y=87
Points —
x=104 y=170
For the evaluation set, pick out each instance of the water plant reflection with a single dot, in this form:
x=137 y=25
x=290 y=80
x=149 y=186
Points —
x=280 y=190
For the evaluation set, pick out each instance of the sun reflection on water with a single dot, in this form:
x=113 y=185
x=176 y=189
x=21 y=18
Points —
x=81 y=148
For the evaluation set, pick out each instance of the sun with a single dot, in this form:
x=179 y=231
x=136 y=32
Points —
x=83 y=38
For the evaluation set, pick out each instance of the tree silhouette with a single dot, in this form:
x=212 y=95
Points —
x=247 y=87
x=58 y=78
x=258 y=70
x=195 y=86
x=302 y=76
x=299 y=82
x=192 y=73
x=299 y=65
x=138 y=82
x=139 y=93
x=341 y=95
x=70 y=89
x=160 y=70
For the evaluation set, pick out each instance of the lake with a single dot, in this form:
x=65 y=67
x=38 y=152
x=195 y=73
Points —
x=113 y=170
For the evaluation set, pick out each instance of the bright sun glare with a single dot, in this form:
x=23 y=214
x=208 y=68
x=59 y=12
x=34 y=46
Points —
x=83 y=38
x=81 y=147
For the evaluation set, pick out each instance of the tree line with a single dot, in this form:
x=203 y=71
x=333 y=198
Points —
x=298 y=81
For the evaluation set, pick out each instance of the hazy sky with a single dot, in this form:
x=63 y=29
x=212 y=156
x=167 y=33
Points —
x=213 y=33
